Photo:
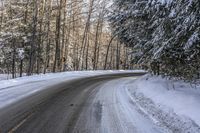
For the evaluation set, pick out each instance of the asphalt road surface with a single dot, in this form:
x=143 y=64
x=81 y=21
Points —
x=97 y=104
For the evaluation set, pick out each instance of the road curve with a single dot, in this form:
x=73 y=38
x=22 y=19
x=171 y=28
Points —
x=97 y=104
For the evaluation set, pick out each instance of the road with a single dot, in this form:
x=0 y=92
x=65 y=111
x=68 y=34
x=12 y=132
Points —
x=98 y=104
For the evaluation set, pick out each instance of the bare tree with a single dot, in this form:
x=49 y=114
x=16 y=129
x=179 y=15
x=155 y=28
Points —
x=33 y=38
x=57 y=35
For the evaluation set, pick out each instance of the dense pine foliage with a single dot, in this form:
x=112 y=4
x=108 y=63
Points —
x=164 y=34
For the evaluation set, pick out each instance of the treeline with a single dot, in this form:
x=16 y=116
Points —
x=164 y=34
x=39 y=36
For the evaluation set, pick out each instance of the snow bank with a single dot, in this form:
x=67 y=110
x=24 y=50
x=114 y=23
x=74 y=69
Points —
x=177 y=97
x=5 y=76
x=9 y=76
x=16 y=89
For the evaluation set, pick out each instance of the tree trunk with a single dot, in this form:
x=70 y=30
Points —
x=87 y=52
x=48 y=40
x=33 y=39
x=57 y=51
x=83 y=45
x=107 y=52
x=117 y=56
x=13 y=59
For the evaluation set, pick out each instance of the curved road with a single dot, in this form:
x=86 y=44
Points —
x=98 y=104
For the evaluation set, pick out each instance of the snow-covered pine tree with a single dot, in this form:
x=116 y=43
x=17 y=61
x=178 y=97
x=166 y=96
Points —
x=164 y=33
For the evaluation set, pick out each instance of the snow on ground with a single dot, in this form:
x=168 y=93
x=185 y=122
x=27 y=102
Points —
x=110 y=109
x=8 y=76
x=16 y=89
x=172 y=104
x=5 y=76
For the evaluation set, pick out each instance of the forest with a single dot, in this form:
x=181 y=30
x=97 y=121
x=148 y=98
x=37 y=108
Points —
x=164 y=34
x=40 y=36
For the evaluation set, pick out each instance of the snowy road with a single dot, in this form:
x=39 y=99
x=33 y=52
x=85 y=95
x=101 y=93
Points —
x=100 y=104
x=110 y=109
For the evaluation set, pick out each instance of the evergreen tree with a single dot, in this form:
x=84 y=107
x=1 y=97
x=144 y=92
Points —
x=165 y=34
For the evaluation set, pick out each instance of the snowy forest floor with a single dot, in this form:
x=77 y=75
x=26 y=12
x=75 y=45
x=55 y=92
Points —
x=9 y=76
x=172 y=104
